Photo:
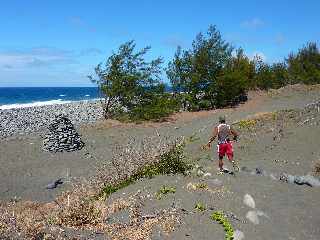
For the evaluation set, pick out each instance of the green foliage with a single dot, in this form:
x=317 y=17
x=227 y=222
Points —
x=304 y=67
x=200 y=207
x=171 y=162
x=202 y=186
x=154 y=106
x=247 y=124
x=270 y=76
x=208 y=75
x=230 y=87
x=220 y=218
x=244 y=67
x=130 y=86
x=164 y=190
x=193 y=73
x=263 y=75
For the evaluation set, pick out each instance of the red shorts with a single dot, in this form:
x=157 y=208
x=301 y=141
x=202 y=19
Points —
x=225 y=149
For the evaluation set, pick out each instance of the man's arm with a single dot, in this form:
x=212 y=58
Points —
x=214 y=135
x=234 y=133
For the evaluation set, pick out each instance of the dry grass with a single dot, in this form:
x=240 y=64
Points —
x=316 y=169
x=82 y=209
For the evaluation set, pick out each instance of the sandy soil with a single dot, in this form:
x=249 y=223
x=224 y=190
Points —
x=291 y=211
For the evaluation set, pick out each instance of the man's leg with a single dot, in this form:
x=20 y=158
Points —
x=221 y=153
x=229 y=151
x=230 y=157
x=221 y=163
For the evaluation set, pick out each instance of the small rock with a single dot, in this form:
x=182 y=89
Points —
x=252 y=216
x=259 y=171
x=238 y=235
x=207 y=175
x=54 y=184
x=248 y=200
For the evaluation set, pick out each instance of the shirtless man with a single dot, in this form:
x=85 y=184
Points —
x=223 y=131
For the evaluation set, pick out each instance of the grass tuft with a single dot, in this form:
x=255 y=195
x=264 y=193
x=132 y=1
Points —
x=247 y=124
x=200 y=207
x=220 y=218
x=164 y=190
x=316 y=169
x=170 y=162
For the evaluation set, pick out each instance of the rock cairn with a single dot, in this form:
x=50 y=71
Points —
x=21 y=121
x=62 y=136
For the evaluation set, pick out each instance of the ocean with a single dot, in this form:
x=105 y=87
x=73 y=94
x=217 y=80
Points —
x=40 y=96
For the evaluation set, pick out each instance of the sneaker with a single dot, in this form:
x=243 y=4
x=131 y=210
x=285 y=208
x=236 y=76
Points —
x=220 y=171
x=235 y=167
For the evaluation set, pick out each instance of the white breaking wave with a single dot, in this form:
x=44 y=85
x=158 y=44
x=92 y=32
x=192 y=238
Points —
x=87 y=95
x=62 y=95
x=34 y=104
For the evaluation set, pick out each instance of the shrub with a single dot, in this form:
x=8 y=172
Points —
x=170 y=161
x=79 y=213
x=247 y=124
x=304 y=66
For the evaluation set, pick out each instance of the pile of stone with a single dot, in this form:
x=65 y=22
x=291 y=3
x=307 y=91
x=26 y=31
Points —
x=20 y=121
x=62 y=136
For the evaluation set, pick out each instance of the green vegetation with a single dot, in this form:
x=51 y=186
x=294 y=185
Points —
x=202 y=186
x=220 y=218
x=211 y=74
x=164 y=190
x=171 y=162
x=304 y=67
x=247 y=124
x=200 y=207
x=131 y=87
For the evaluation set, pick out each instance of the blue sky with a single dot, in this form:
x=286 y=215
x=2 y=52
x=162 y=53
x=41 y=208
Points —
x=58 y=43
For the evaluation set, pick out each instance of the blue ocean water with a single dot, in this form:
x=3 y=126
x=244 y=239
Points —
x=44 y=95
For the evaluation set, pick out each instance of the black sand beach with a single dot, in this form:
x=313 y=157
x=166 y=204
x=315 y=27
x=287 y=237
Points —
x=286 y=211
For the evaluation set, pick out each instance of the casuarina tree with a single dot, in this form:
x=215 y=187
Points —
x=129 y=84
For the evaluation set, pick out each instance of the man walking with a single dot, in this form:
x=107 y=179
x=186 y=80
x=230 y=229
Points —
x=223 y=131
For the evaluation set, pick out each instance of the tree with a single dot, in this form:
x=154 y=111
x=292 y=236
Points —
x=304 y=67
x=195 y=71
x=179 y=72
x=128 y=83
x=263 y=74
x=280 y=75
x=243 y=65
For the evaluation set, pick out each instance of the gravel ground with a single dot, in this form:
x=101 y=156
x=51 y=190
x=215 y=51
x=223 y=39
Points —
x=286 y=211
x=34 y=119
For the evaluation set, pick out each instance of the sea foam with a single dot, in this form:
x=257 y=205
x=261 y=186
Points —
x=33 y=104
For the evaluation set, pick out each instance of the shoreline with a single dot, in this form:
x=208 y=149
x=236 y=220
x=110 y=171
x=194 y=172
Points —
x=31 y=119
x=59 y=101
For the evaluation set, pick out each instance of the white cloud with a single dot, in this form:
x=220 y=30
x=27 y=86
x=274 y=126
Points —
x=44 y=67
x=91 y=52
x=35 y=57
x=252 y=23
x=258 y=54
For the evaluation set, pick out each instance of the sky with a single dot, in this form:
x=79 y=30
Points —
x=58 y=43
